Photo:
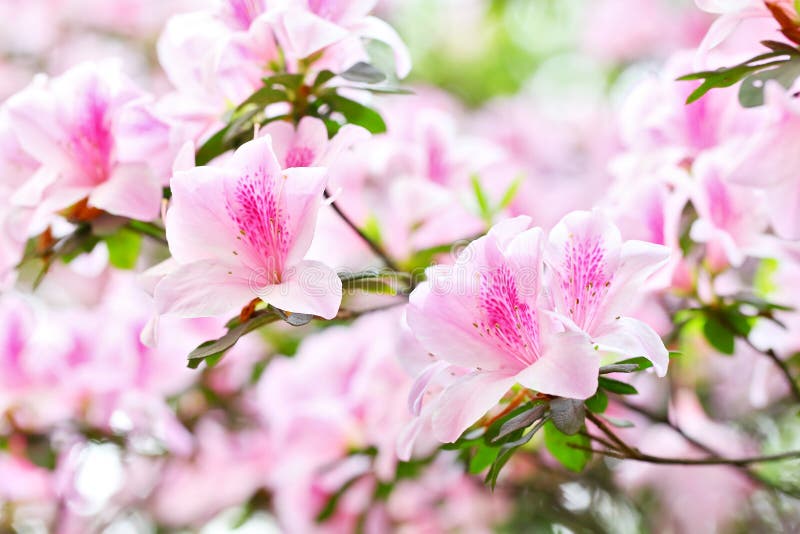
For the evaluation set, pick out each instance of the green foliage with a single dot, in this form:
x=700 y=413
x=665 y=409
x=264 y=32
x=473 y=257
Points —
x=124 y=246
x=615 y=386
x=719 y=335
x=598 y=402
x=355 y=112
x=212 y=351
x=781 y=64
x=562 y=447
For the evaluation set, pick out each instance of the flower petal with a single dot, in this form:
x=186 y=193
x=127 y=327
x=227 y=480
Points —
x=202 y=289
x=310 y=287
x=466 y=401
x=568 y=368
x=632 y=338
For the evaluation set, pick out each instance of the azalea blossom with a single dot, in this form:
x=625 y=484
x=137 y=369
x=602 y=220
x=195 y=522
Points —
x=96 y=139
x=307 y=144
x=767 y=161
x=494 y=319
x=483 y=314
x=240 y=232
x=594 y=278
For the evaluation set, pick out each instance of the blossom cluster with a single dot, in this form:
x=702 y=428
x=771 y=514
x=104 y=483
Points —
x=251 y=276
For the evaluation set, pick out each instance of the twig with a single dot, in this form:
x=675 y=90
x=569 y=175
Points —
x=770 y=353
x=375 y=247
x=693 y=461
x=745 y=470
x=624 y=447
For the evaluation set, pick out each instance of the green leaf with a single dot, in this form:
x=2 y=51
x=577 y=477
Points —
x=518 y=419
x=508 y=450
x=598 y=402
x=213 y=147
x=263 y=97
x=329 y=508
x=718 y=335
x=123 y=248
x=289 y=81
x=751 y=92
x=726 y=77
x=561 y=447
x=615 y=386
x=511 y=193
x=212 y=351
x=482 y=198
x=356 y=113
x=322 y=78
x=363 y=73
x=484 y=456
x=641 y=361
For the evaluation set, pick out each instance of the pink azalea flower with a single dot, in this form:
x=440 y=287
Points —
x=95 y=137
x=307 y=145
x=595 y=277
x=731 y=220
x=241 y=232
x=768 y=160
x=483 y=315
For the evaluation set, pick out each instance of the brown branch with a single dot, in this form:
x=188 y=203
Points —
x=375 y=247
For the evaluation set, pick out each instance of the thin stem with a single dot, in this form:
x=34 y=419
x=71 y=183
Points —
x=624 y=447
x=770 y=353
x=694 y=461
x=150 y=230
x=745 y=470
x=375 y=247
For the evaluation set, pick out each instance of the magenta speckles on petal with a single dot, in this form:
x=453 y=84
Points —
x=299 y=156
x=509 y=322
x=584 y=279
x=263 y=222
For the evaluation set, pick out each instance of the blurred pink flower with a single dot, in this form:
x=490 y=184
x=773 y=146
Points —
x=96 y=138
x=768 y=160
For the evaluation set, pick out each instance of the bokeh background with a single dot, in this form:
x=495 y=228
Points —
x=549 y=93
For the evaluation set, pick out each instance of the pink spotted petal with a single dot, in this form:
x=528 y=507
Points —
x=441 y=315
x=309 y=287
x=568 y=368
x=632 y=338
x=466 y=401
x=583 y=254
x=310 y=142
x=282 y=134
x=203 y=289
x=130 y=191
